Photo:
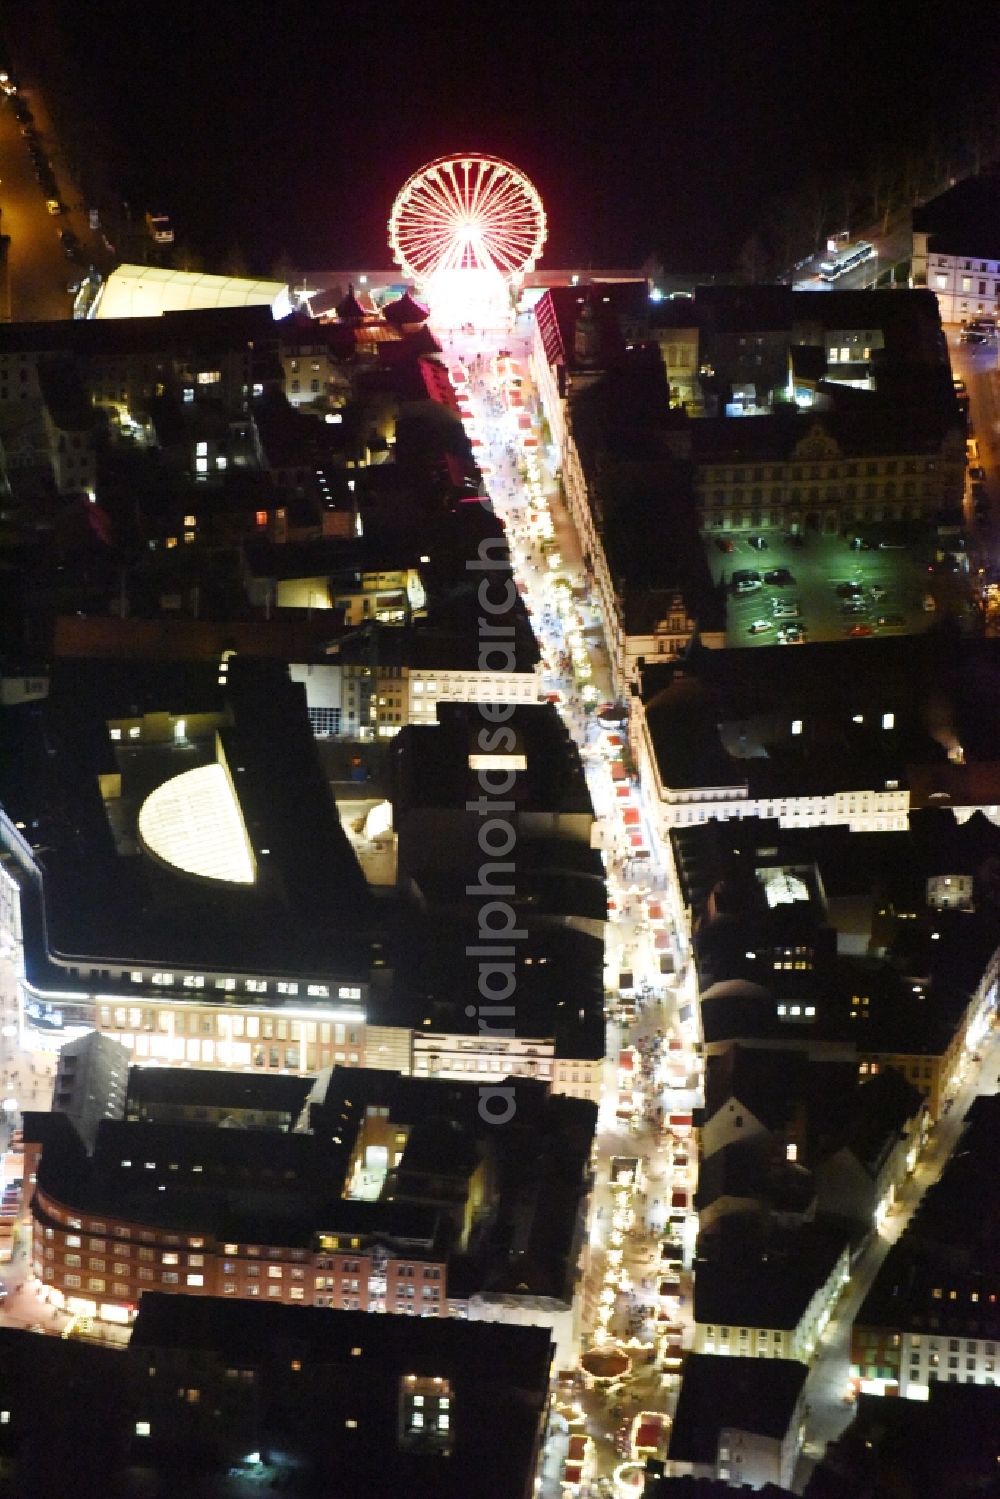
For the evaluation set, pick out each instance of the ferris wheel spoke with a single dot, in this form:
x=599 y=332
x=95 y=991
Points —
x=454 y=193
x=436 y=206
x=436 y=196
x=483 y=189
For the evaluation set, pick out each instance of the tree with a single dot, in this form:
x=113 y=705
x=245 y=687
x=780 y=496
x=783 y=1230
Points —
x=187 y=258
x=283 y=269
x=234 y=262
x=753 y=259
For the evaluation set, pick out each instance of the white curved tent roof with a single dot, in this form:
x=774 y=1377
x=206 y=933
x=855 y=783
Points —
x=150 y=291
x=193 y=822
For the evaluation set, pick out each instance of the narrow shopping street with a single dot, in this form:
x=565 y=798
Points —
x=636 y=1297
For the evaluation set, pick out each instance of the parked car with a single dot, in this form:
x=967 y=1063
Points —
x=890 y=621
x=849 y=590
x=778 y=576
x=856 y=632
x=792 y=635
x=970 y=336
x=785 y=608
x=758 y=543
x=760 y=627
x=724 y=544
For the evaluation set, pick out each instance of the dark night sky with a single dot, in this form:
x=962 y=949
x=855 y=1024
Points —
x=647 y=127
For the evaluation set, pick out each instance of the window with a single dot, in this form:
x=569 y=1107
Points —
x=196 y=1280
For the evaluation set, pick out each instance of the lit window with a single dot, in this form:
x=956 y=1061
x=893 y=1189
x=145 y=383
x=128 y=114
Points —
x=116 y=733
x=134 y=733
x=201 y=467
x=796 y=726
x=351 y=1425
x=200 y=450
x=196 y=1280
x=142 y=1428
x=190 y=520
x=170 y=1259
x=188 y=394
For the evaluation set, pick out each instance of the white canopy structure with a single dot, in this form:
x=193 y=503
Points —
x=150 y=291
x=193 y=821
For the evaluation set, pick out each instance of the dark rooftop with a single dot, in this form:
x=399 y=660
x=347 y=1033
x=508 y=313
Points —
x=309 y=908
x=754 y=1281
x=965 y=219
x=433 y=766
x=944 y=1271
x=743 y=1394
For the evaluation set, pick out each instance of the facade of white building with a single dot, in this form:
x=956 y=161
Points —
x=966 y=286
x=795 y=1341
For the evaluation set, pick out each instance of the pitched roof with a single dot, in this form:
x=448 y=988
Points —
x=405 y=310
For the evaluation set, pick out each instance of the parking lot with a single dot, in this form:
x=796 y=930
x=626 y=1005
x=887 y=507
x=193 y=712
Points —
x=827 y=589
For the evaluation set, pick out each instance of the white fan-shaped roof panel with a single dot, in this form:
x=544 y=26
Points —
x=193 y=822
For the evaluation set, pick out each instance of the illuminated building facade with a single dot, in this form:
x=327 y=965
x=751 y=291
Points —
x=381 y=1185
x=932 y=1315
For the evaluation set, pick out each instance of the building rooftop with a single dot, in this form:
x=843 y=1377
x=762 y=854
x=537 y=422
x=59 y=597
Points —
x=438 y=765
x=753 y=1279
x=306 y=907
x=943 y=1273
x=945 y=1445
x=558 y=974
x=150 y=1087
x=356 y=1366
x=91 y=1083
x=964 y=220
x=725 y=1394
x=266 y=1186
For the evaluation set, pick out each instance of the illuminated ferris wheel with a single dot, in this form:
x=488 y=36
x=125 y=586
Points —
x=467 y=213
